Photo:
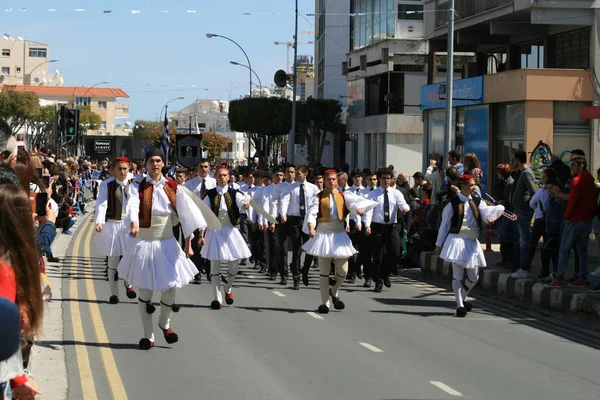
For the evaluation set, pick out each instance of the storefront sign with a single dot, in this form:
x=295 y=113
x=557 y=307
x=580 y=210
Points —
x=476 y=139
x=102 y=146
x=466 y=92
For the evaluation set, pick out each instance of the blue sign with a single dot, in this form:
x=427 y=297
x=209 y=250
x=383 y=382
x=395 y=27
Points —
x=477 y=140
x=466 y=92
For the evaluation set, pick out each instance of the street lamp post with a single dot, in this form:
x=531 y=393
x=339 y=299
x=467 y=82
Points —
x=252 y=71
x=87 y=91
x=166 y=106
x=292 y=138
x=212 y=35
x=36 y=67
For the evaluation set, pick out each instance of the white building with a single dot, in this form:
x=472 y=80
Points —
x=212 y=116
x=25 y=62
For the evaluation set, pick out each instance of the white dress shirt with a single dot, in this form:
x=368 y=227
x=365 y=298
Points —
x=271 y=198
x=290 y=199
x=195 y=184
x=102 y=199
x=396 y=202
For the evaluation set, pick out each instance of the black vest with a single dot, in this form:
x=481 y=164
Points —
x=232 y=207
x=458 y=215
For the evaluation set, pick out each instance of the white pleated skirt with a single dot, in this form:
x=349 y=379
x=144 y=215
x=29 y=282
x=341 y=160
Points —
x=228 y=244
x=463 y=251
x=113 y=240
x=157 y=265
x=330 y=245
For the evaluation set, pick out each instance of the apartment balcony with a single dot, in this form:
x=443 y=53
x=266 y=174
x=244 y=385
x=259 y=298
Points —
x=121 y=110
x=467 y=9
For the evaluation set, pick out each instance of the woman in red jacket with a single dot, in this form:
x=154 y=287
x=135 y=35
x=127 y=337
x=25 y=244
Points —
x=19 y=278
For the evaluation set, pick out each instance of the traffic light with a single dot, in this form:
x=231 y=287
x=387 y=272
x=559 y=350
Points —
x=62 y=118
x=72 y=122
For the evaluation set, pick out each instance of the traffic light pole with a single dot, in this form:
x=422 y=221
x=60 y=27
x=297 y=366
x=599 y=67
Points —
x=292 y=140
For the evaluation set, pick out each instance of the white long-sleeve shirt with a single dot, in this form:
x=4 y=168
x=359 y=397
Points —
x=195 y=184
x=396 y=204
x=240 y=198
x=271 y=199
x=290 y=198
x=102 y=199
x=190 y=216
x=539 y=202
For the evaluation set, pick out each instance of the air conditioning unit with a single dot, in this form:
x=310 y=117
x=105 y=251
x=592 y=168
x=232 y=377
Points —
x=300 y=149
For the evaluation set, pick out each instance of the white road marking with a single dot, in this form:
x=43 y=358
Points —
x=446 y=388
x=315 y=315
x=251 y=276
x=370 y=347
x=275 y=292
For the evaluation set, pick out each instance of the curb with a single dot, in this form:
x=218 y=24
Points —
x=527 y=292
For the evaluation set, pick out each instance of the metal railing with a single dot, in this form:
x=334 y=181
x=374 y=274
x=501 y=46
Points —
x=467 y=8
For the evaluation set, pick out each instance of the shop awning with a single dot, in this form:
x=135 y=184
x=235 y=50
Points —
x=589 y=112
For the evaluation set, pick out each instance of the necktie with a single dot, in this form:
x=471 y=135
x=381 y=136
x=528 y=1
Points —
x=357 y=190
x=386 y=206
x=203 y=188
x=372 y=189
x=302 y=201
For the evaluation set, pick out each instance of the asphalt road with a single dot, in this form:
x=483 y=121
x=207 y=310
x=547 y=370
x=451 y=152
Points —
x=403 y=343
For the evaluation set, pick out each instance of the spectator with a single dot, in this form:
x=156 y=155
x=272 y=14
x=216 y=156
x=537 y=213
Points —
x=554 y=219
x=596 y=225
x=435 y=175
x=581 y=209
x=502 y=192
x=419 y=182
x=450 y=188
x=563 y=172
x=402 y=182
x=524 y=189
x=472 y=167
x=454 y=161
x=19 y=279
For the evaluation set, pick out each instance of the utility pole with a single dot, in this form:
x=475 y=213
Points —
x=449 y=80
x=292 y=139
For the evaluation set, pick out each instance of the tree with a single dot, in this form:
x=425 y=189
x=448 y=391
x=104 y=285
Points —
x=215 y=144
x=41 y=126
x=151 y=133
x=17 y=108
x=88 y=120
x=317 y=118
x=260 y=117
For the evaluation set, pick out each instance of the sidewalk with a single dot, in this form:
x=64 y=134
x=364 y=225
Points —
x=578 y=304
x=48 y=363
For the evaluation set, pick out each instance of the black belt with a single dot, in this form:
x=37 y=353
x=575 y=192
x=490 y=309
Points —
x=383 y=224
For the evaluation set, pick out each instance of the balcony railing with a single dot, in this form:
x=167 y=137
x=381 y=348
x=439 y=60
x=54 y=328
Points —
x=467 y=8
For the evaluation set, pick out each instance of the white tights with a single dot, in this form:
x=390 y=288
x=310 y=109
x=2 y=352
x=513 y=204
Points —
x=167 y=298
x=341 y=270
x=113 y=264
x=215 y=277
x=461 y=291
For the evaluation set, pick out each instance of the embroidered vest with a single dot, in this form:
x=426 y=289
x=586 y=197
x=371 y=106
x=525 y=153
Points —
x=324 y=214
x=232 y=207
x=114 y=209
x=458 y=208
x=146 y=191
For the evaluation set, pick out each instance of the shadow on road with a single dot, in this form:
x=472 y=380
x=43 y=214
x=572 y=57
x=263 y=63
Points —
x=51 y=344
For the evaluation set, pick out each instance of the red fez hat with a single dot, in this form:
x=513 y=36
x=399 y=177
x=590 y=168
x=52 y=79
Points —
x=122 y=159
x=222 y=167
x=329 y=172
x=465 y=178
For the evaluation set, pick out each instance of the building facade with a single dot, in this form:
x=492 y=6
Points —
x=25 y=62
x=212 y=116
x=532 y=85
x=102 y=101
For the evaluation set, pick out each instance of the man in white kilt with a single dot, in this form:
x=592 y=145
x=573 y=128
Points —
x=157 y=262
x=228 y=244
x=462 y=222
x=327 y=225
x=111 y=232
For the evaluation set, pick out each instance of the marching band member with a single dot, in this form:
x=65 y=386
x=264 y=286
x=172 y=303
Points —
x=226 y=245
x=156 y=262
x=462 y=222
x=326 y=224
x=111 y=235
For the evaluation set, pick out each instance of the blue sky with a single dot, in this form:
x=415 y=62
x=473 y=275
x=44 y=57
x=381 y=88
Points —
x=150 y=53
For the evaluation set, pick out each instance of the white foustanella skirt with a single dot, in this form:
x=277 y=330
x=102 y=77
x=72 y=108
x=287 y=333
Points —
x=330 y=241
x=228 y=244
x=463 y=251
x=113 y=240
x=157 y=265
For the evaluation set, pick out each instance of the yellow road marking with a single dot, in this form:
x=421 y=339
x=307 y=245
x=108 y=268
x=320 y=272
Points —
x=110 y=366
x=83 y=362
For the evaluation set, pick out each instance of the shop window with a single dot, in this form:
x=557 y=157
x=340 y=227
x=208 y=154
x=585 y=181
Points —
x=570 y=50
x=532 y=55
x=511 y=119
x=566 y=114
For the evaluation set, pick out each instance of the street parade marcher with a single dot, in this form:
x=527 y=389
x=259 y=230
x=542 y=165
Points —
x=156 y=262
x=200 y=185
x=462 y=221
x=112 y=234
x=226 y=245
x=327 y=225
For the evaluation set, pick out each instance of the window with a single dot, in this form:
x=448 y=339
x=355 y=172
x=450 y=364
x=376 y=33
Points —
x=18 y=69
x=571 y=50
x=83 y=101
x=35 y=52
x=5 y=70
x=103 y=125
x=410 y=12
x=5 y=52
x=102 y=104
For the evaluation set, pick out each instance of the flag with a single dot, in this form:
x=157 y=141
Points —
x=166 y=141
